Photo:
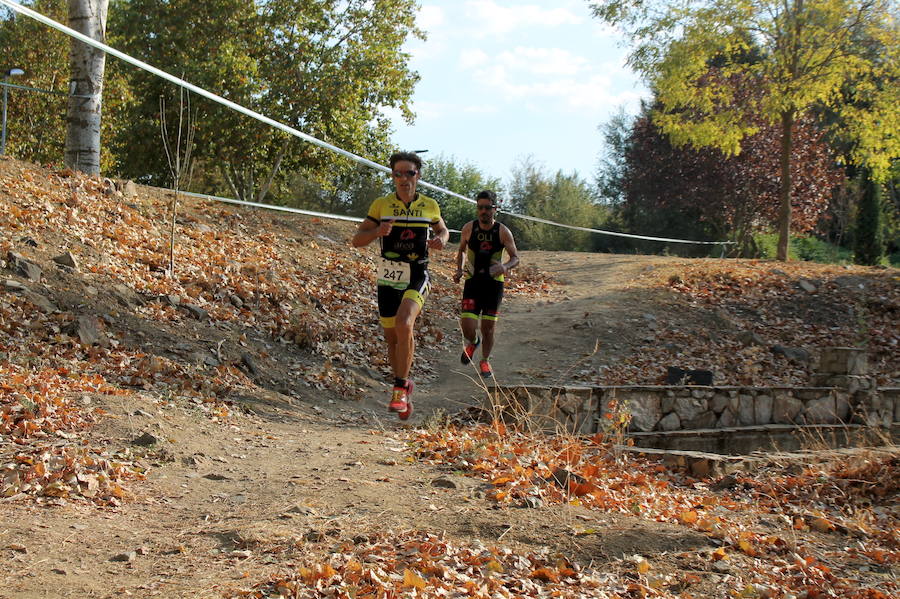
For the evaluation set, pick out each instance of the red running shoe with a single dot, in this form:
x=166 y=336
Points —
x=398 y=399
x=405 y=414
x=485 y=369
x=469 y=351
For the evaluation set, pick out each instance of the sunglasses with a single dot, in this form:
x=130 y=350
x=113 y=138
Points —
x=400 y=174
x=486 y=207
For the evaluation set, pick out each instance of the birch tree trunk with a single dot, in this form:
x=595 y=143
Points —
x=86 y=66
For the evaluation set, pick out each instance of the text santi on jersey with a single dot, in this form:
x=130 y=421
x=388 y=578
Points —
x=407 y=212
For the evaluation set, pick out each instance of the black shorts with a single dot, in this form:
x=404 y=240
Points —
x=481 y=297
x=389 y=298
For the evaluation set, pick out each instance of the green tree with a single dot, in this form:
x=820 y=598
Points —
x=349 y=191
x=807 y=54
x=870 y=224
x=704 y=194
x=466 y=179
x=324 y=67
x=612 y=164
x=37 y=121
x=562 y=198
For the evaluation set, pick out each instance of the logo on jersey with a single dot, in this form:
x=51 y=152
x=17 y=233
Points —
x=486 y=246
x=407 y=235
x=408 y=212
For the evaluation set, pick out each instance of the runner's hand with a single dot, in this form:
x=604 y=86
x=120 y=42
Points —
x=458 y=275
x=384 y=228
x=497 y=269
x=436 y=243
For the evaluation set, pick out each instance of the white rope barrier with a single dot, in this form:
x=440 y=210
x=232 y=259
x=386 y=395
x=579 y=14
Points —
x=43 y=91
x=304 y=136
x=203 y=196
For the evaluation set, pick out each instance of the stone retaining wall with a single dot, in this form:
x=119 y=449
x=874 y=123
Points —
x=680 y=408
x=584 y=410
x=549 y=409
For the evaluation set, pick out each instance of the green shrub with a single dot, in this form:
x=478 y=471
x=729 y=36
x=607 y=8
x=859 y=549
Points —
x=768 y=246
x=813 y=249
x=809 y=249
x=894 y=260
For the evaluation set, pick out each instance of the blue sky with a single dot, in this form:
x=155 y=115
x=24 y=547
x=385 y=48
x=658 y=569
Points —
x=504 y=79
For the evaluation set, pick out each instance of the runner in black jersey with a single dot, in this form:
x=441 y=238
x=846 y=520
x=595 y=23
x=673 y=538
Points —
x=402 y=222
x=481 y=251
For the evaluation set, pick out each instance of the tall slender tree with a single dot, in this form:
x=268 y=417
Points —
x=86 y=65
x=869 y=223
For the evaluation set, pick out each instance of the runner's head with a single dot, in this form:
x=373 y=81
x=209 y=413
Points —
x=406 y=168
x=486 y=204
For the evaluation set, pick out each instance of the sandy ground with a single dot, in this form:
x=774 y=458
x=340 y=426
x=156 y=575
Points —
x=289 y=474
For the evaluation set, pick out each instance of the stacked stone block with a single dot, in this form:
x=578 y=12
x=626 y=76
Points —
x=696 y=408
x=842 y=393
x=847 y=368
x=844 y=367
x=544 y=408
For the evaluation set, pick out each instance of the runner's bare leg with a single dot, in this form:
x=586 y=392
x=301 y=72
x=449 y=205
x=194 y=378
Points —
x=469 y=327
x=404 y=327
x=487 y=337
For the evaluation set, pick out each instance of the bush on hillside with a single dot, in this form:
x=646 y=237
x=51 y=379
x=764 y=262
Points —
x=808 y=249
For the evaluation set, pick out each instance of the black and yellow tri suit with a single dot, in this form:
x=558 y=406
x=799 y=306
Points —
x=403 y=268
x=482 y=293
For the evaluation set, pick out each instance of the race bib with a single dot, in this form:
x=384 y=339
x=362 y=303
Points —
x=393 y=274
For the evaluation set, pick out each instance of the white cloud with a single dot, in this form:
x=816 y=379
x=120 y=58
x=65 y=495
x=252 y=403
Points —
x=438 y=30
x=533 y=66
x=481 y=109
x=542 y=61
x=493 y=19
x=495 y=69
x=432 y=111
x=473 y=58
x=430 y=17
x=538 y=75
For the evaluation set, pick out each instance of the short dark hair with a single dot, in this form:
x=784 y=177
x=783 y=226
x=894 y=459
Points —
x=487 y=194
x=408 y=157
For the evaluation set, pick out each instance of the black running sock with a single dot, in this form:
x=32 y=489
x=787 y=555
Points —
x=398 y=382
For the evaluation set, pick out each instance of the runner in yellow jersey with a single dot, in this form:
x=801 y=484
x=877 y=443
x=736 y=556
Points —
x=402 y=221
x=481 y=249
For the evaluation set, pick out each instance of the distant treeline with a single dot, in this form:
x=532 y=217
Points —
x=331 y=69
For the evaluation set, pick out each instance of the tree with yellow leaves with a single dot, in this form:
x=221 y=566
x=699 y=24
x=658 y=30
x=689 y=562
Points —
x=806 y=55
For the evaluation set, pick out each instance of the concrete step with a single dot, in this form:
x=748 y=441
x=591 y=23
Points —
x=744 y=440
x=701 y=464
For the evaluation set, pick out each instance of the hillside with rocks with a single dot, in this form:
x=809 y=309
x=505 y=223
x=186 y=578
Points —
x=221 y=431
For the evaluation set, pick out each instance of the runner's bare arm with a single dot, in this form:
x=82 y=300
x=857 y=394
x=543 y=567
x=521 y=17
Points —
x=369 y=231
x=441 y=235
x=461 y=252
x=506 y=238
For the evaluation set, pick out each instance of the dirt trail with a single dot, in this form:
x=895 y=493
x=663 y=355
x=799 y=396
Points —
x=285 y=470
x=588 y=322
x=219 y=496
